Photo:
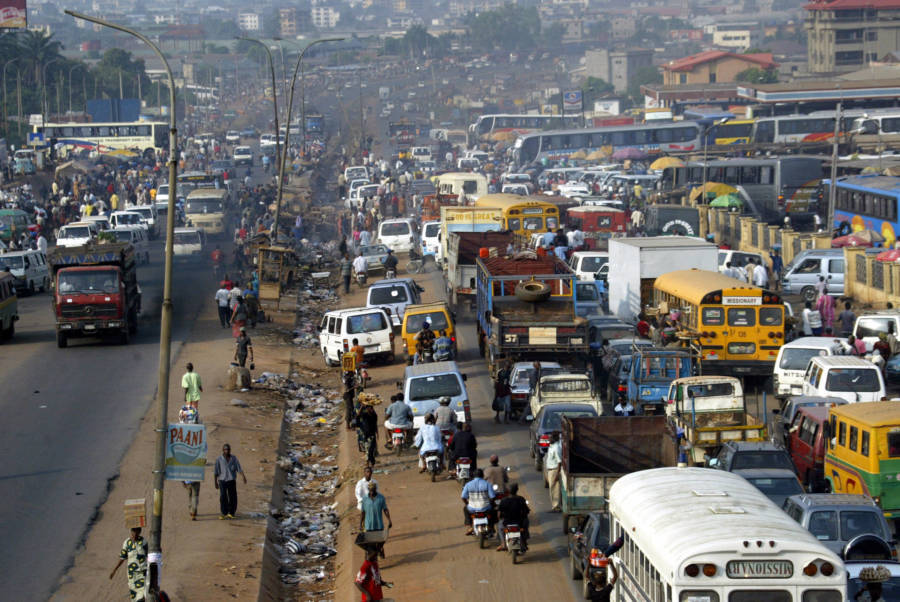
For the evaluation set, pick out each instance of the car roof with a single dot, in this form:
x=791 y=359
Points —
x=832 y=499
x=427 y=307
x=591 y=253
x=568 y=407
x=882 y=413
x=185 y=230
x=814 y=343
x=564 y=376
x=354 y=310
x=819 y=412
x=842 y=361
x=393 y=281
x=521 y=365
x=742 y=446
x=766 y=473
x=431 y=368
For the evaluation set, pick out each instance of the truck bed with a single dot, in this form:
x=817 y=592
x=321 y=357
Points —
x=511 y=310
x=470 y=243
x=615 y=444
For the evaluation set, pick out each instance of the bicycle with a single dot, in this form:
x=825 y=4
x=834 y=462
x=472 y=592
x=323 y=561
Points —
x=415 y=266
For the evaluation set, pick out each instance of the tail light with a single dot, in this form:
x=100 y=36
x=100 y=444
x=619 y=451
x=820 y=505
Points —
x=781 y=200
x=597 y=559
x=346 y=345
x=392 y=338
x=512 y=529
x=544 y=441
x=622 y=388
x=398 y=430
x=452 y=339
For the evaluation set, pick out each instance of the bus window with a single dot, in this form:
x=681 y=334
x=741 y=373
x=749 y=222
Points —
x=765 y=131
x=713 y=316
x=741 y=316
x=770 y=316
x=854 y=438
x=732 y=175
x=842 y=433
x=864 y=446
x=533 y=223
x=749 y=175
x=513 y=224
x=552 y=223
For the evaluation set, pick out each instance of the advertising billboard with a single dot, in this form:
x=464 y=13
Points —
x=13 y=14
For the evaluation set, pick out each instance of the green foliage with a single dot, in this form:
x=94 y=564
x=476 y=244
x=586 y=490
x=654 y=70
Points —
x=115 y=63
x=593 y=89
x=643 y=77
x=755 y=50
x=511 y=27
x=755 y=75
x=417 y=42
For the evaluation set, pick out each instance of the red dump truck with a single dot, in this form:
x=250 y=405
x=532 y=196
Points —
x=95 y=291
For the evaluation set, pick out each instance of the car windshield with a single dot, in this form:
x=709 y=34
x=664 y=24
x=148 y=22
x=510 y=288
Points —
x=872 y=327
x=131 y=219
x=187 y=238
x=860 y=522
x=431 y=230
x=394 y=229
x=890 y=589
x=524 y=374
x=438 y=320
x=592 y=264
x=782 y=487
x=362 y=323
x=553 y=420
x=373 y=250
x=587 y=292
x=77 y=232
x=387 y=294
x=566 y=385
x=15 y=262
x=197 y=206
x=797 y=358
x=123 y=235
x=711 y=390
x=660 y=368
x=612 y=332
x=433 y=387
x=88 y=282
x=853 y=380
x=762 y=459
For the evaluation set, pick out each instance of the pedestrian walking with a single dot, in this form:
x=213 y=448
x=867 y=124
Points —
x=190 y=415
x=551 y=463
x=346 y=272
x=367 y=422
x=777 y=268
x=222 y=304
x=134 y=553
x=192 y=386
x=227 y=470
x=362 y=486
x=368 y=579
x=238 y=317
x=374 y=506
x=243 y=345
x=847 y=320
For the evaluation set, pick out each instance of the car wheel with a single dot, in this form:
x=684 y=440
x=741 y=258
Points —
x=574 y=571
x=62 y=341
x=31 y=288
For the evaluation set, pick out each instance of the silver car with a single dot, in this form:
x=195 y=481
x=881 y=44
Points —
x=375 y=256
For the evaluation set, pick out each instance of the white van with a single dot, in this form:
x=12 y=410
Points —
x=468 y=163
x=128 y=218
x=101 y=221
x=869 y=326
x=431 y=240
x=394 y=296
x=370 y=325
x=243 y=155
x=421 y=153
x=148 y=215
x=793 y=358
x=399 y=235
x=76 y=234
x=425 y=384
x=137 y=236
x=847 y=377
x=29 y=268
x=588 y=264
x=356 y=172
x=188 y=243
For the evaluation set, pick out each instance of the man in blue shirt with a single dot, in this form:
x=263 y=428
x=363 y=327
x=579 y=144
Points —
x=429 y=439
x=477 y=496
x=398 y=415
x=443 y=347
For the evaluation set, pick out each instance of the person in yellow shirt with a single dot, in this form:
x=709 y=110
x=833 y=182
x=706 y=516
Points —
x=153 y=194
x=114 y=201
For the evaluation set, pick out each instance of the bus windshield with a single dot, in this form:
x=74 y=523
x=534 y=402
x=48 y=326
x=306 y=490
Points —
x=203 y=206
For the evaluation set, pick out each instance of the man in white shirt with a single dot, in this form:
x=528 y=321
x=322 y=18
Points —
x=637 y=219
x=222 y=303
x=362 y=486
x=551 y=462
x=760 y=275
x=365 y=238
x=41 y=243
x=360 y=265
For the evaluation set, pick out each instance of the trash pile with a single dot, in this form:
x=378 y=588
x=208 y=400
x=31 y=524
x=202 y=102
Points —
x=308 y=521
x=313 y=299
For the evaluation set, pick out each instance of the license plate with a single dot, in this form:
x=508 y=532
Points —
x=479 y=521
x=90 y=327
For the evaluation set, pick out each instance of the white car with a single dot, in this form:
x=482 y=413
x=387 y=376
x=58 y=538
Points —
x=399 y=235
x=148 y=216
x=76 y=234
x=128 y=218
x=137 y=236
x=189 y=243
x=232 y=137
x=243 y=155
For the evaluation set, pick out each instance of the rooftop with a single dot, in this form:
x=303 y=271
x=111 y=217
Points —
x=763 y=59
x=853 y=4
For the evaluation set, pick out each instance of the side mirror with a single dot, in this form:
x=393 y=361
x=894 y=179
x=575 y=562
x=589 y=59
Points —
x=529 y=418
x=776 y=411
x=713 y=462
x=465 y=377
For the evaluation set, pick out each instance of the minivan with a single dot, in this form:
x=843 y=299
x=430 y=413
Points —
x=439 y=317
x=398 y=234
x=431 y=240
x=29 y=268
x=189 y=243
x=802 y=274
x=869 y=326
x=9 y=306
x=847 y=377
x=784 y=416
x=370 y=325
x=806 y=444
x=836 y=518
x=793 y=357
x=587 y=265
x=394 y=296
x=243 y=155
x=425 y=384
x=76 y=234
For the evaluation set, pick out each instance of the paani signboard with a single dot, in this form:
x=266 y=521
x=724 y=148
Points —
x=186 y=450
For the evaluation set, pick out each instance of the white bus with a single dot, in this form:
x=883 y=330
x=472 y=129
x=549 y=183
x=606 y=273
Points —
x=705 y=535
x=137 y=136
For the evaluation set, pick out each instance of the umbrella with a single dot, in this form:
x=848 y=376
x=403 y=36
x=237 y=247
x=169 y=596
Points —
x=578 y=155
x=727 y=201
x=716 y=188
x=599 y=154
x=629 y=153
x=889 y=255
x=863 y=238
x=667 y=162
x=121 y=152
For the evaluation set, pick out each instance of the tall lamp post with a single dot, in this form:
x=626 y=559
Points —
x=44 y=101
x=274 y=98
x=165 y=334
x=706 y=132
x=76 y=66
x=287 y=132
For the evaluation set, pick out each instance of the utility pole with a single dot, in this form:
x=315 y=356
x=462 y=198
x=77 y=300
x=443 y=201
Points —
x=121 y=94
x=19 y=100
x=832 y=189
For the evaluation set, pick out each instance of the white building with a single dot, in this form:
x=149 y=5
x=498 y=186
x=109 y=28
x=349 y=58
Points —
x=324 y=17
x=248 y=21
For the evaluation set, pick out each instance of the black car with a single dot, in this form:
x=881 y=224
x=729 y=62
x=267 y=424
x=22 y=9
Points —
x=618 y=376
x=591 y=534
x=548 y=421
x=740 y=455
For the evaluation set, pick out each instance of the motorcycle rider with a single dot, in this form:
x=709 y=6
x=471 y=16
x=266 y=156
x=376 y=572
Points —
x=398 y=415
x=495 y=475
x=426 y=337
x=513 y=510
x=477 y=496
x=390 y=262
x=360 y=265
x=429 y=439
x=443 y=347
x=463 y=445
x=444 y=417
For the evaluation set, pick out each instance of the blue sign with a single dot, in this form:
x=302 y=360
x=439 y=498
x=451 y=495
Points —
x=186 y=451
x=36 y=139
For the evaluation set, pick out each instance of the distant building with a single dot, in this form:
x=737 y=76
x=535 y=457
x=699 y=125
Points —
x=713 y=66
x=324 y=17
x=739 y=36
x=617 y=67
x=623 y=28
x=248 y=21
x=845 y=35
x=287 y=22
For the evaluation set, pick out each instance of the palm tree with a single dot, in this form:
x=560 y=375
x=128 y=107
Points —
x=36 y=49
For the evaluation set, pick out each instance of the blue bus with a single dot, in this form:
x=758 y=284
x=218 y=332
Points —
x=867 y=202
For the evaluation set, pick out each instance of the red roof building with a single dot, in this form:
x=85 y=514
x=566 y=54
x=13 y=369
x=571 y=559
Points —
x=713 y=66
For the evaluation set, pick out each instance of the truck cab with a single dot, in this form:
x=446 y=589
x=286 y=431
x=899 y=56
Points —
x=651 y=374
x=564 y=388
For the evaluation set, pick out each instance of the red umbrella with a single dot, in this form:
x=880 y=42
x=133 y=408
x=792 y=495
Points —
x=889 y=255
x=857 y=239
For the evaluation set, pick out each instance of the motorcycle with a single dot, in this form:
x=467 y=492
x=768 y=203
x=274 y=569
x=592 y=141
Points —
x=433 y=463
x=463 y=470
x=445 y=439
x=443 y=355
x=362 y=377
x=481 y=526
x=427 y=356
x=513 y=536
x=398 y=439
x=390 y=273
x=361 y=278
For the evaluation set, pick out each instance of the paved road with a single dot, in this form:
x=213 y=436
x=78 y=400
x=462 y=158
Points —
x=68 y=417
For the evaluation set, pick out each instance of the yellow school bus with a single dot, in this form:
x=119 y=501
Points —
x=863 y=452
x=522 y=215
x=738 y=328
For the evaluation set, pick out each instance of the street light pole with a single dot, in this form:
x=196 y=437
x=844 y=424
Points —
x=77 y=65
x=44 y=107
x=165 y=335
x=287 y=132
x=274 y=96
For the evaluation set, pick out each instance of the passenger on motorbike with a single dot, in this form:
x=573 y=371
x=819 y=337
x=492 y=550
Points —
x=443 y=347
x=426 y=336
x=444 y=417
x=513 y=510
x=390 y=262
x=463 y=445
x=398 y=415
x=429 y=439
x=477 y=496
x=495 y=475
